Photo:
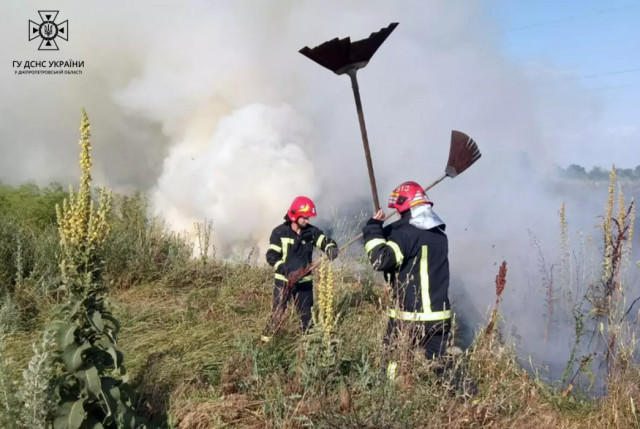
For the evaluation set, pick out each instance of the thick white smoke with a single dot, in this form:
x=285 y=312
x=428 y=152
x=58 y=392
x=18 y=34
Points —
x=248 y=171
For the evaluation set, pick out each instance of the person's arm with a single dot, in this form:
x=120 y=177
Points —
x=325 y=243
x=384 y=253
x=274 y=253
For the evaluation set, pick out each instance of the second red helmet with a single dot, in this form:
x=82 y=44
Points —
x=301 y=207
x=407 y=195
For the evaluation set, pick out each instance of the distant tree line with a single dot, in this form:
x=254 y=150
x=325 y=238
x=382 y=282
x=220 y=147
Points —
x=575 y=171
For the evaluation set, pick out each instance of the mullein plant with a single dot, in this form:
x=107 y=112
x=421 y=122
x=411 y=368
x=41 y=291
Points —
x=618 y=236
x=607 y=267
x=608 y=297
x=631 y=216
x=606 y=293
x=620 y=340
x=83 y=229
x=91 y=389
x=325 y=318
x=566 y=268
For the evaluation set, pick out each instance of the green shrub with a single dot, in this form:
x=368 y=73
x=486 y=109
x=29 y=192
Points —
x=140 y=249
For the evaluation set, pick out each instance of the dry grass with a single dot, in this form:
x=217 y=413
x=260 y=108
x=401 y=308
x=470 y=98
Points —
x=194 y=354
x=191 y=344
x=196 y=357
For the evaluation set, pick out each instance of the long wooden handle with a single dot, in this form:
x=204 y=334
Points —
x=365 y=139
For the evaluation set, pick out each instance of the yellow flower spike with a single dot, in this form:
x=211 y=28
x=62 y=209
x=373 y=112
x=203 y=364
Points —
x=622 y=213
x=329 y=291
x=606 y=227
x=328 y=328
x=325 y=320
x=82 y=226
x=609 y=208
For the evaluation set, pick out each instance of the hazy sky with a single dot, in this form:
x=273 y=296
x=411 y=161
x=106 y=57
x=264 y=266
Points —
x=589 y=43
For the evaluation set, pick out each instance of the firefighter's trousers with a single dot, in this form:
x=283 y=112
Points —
x=303 y=298
x=431 y=337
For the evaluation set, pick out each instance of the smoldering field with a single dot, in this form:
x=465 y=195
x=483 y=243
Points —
x=209 y=109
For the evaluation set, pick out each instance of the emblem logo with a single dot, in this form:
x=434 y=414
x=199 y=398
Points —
x=48 y=30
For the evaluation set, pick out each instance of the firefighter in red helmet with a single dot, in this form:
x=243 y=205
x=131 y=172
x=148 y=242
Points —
x=290 y=249
x=413 y=254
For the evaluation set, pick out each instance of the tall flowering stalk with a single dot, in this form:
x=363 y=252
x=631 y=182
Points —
x=618 y=235
x=92 y=388
x=82 y=228
x=631 y=216
x=501 y=282
x=608 y=297
x=606 y=227
x=326 y=319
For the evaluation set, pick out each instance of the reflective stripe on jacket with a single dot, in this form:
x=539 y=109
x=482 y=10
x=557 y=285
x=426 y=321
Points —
x=415 y=262
x=289 y=252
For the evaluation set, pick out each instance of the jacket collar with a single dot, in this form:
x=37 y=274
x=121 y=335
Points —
x=424 y=217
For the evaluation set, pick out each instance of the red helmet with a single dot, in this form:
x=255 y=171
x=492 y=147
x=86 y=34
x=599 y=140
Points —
x=407 y=195
x=301 y=207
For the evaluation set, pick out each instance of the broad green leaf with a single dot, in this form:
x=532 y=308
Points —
x=65 y=335
x=111 y=335
x=74 y=306
x=116 y=355
x=72 y=355
x=111 y=386
x=96 y=320
x=71 y=307
x=129 y=419
x=57 y=309
x=90 y=380
x=54 y=325
x=127 y=395
x=110 y=397
x=70 y=416
x=114 y=322
x=93 y=423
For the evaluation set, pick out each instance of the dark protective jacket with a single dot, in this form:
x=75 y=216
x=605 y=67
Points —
x=288 y=251
x=415 y=262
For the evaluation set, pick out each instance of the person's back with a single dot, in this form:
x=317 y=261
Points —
x=413 y=254
x=421 y=282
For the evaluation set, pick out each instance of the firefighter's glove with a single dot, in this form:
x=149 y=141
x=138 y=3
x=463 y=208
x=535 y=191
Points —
x=332 y=252
x=373 y=227
x=373 y=221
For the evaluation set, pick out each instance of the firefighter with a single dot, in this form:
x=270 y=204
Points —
x=413 y=255
x=290 y=250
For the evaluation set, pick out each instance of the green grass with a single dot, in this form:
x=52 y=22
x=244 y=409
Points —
x=194 y=356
